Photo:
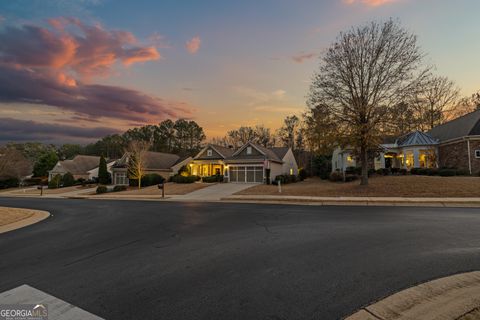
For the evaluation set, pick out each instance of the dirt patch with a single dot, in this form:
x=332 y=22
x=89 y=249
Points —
x=379 y=186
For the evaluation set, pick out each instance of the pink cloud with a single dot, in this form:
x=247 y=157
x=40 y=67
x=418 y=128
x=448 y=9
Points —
x=304 y=56
x=48 y=66
x=193 y=45
x=74 y=46
x=372 y=3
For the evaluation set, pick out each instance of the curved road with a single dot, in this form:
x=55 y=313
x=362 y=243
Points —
x=164 y=260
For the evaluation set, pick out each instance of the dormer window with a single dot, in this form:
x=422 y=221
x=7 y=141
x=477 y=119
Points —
x=209 y=152
x=249 y=150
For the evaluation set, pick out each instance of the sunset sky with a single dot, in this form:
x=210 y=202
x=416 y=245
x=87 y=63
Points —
x=78 y=70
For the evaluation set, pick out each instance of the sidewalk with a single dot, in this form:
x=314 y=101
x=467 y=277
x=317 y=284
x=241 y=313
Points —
x=358 y=201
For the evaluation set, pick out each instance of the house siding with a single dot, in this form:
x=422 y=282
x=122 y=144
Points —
x=289 y=162
x=204 y=155
x=455 y=155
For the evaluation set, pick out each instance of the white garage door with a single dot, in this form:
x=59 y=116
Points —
x=246 y=174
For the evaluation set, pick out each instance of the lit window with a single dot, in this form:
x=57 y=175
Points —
x=477 y=153
x=291 y=171
x=209 y=153
x=249 y=150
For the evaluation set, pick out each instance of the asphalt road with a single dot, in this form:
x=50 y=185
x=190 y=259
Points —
x=152 y=260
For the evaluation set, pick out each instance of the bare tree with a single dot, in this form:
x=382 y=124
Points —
x=319 y=130
x=434 y=100
x=288 y=131
x=464 y=106
x=366 y=71
x=13 y=164
x=137 y=157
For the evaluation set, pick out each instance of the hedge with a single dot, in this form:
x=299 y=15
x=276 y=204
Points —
x=119 y=188
x=285 y=179
x=211 y=179
x=101 y=189
x=9 y=183
x=183 y=179
x=150 y=179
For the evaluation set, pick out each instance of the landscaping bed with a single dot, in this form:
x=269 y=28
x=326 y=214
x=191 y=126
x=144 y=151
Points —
x=379 y=186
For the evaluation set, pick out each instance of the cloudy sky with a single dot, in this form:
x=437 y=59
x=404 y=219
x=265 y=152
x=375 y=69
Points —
x=75 y=70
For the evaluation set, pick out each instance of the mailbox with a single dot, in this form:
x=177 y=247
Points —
x=161 y=186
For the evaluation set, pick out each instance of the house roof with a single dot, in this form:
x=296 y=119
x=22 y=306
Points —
x=224 y=152
x=78 y=165
x=154 y=160
x=266 y=153
x=416 y=138
x=280 y=151
x=463 y=126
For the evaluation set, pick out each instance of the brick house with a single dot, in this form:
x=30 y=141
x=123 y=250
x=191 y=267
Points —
x=459 y=142
x=454 y=144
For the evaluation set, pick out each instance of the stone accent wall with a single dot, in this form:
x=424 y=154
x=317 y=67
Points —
x=456 y=155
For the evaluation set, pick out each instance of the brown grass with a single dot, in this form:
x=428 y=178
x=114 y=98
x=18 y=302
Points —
x=390 y=186
x=10 y=215
x=171 y=188
x=35 y=191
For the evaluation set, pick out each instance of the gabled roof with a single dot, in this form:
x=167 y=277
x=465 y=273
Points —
x=416 y=138
x=153 y=160
x=224 y=152
x=78 y=165
x=463 y=126
x=266 y=153
x=280 y=151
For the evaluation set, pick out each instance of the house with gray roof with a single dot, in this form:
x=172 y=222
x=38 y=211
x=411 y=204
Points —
x=454 y=144
x=81 y=167
x=251 y=163
x=163 y=164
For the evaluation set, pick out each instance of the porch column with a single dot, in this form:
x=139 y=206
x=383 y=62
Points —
x=404 y=164
x=382 y=160
x=416 y=160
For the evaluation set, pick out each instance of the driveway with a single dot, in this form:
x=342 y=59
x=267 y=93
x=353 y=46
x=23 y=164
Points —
x=214 y=192
x=167 y=260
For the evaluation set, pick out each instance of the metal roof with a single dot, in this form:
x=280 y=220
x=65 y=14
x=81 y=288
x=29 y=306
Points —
x=416 y=138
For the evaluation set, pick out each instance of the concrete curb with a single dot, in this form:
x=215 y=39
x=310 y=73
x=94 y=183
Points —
x=38 y=216
x=446 y=298
x=358 y=201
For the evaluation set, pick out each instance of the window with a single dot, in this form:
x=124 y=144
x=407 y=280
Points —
x=121 y=178
x=291 y=171
x=209 y=152
x=477 y=153
x=249 y=150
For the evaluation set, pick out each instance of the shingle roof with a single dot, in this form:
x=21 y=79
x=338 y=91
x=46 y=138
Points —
x=226 y=152
x=79 y=165
x=457 y=128
x=280 y=151
x=416 y=138
x=268 y=152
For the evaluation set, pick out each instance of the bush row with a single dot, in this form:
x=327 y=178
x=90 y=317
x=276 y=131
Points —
x=211 y=179
x=444 y=172
x=150 y=179
x=104 y=189
x=178 y=178
x=285 y=179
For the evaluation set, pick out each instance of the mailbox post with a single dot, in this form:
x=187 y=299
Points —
x=41 y=189
x=161 y=186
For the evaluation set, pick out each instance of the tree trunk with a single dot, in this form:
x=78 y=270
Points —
x=364 y=161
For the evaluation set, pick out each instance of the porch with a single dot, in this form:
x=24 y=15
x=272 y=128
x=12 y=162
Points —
x=206 y=169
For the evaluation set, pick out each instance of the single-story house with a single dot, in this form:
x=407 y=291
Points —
x=163 y=164
x=81 y=167
x=453 y=144
x=251 y=163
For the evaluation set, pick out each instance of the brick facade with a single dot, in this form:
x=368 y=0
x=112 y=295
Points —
x=455 y=155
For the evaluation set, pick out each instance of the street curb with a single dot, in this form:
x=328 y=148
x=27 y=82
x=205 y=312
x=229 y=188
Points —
x=38 y=216
x=358 y=201
x=447 y=298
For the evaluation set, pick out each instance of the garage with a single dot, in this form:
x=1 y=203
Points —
x=246 y=174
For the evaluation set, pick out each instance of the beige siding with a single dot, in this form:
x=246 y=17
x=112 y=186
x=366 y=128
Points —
x=276 y=169
x=289 y=162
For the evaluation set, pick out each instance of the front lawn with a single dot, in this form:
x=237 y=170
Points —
x=11 y=215
x=379 y=186
x=171 y=188
x=35 y=191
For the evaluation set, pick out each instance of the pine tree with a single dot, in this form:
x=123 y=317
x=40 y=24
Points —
x=102 y=171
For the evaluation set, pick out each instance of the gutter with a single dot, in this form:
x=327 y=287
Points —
x=469 y=156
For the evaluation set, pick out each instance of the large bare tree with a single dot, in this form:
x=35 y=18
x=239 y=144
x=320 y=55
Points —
x=137 y=157
x=366 y=71
x=13 y=164
x=436 y=98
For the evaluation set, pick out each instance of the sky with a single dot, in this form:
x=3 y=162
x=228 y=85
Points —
x=76 y=70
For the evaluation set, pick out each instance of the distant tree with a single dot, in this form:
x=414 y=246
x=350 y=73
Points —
x=103 y=177
x=434 y=100
x=403 y=119
x=137 y=152
x=13 y=164
x=320 y=130
x=69 y=151
x=288 y=131
x=45 y=163
x=464 y=106
x=365 y=72
x=165 y=136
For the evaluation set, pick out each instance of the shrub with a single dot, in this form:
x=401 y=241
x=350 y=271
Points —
x=447 y=172
x=183 y=179
x=101 y=189
x=9 y=183
x=336 y=176
x=414 y=171
x=403 y=171
x=118 y=188
x=55 y=182
x=383 y=171
x=351 y=177
x=351 y=170
x=322 y=166
x=152 y=179
x=463 y=172
x=68 y=180
x=211 y=179
x=302 y=174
